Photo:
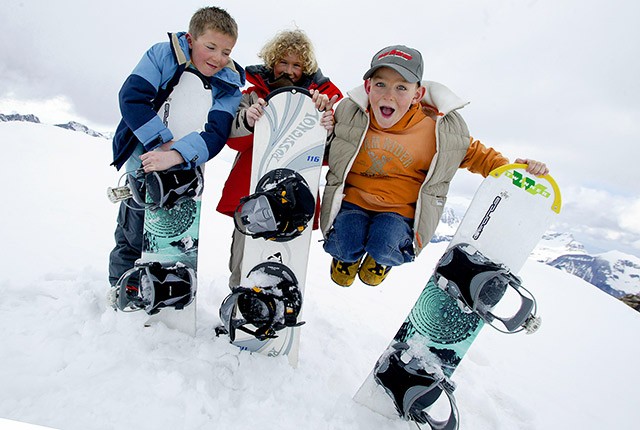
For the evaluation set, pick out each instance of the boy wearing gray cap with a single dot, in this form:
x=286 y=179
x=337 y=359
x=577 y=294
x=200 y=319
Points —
x=398 y=142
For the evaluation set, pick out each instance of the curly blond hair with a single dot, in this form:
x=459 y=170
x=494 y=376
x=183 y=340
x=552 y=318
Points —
x=287 y=42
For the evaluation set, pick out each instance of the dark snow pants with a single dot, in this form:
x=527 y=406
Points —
x=129 y=230
x=128 y=237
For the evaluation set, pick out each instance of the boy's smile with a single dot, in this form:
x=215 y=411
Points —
x=391 y=96
x=290 y=65
x=211 y=51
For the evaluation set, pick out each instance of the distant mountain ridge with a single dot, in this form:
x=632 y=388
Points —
x=76 y=126
x=614 y=272
x=449 y=222
x=71 y=125
x=19 y=117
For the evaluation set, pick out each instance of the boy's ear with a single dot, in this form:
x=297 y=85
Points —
x=190 y=40
x=367 y=85
x=420 y=92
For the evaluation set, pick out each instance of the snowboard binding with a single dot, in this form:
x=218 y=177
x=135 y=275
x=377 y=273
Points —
x=279 y=210
x=478 y=284
x=165 y=189
x=159 y=287
x=268 y=308
x=413 y=389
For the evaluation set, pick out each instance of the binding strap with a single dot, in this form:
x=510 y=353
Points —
x=413 y=389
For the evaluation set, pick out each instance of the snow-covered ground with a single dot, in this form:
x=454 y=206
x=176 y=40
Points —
x=69 y=362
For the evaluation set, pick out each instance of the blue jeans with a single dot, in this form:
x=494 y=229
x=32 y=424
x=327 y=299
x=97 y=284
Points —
x=386 y=236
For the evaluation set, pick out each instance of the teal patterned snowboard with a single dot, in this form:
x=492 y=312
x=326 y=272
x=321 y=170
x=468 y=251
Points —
x=167 y=268
x=507 y=217
x=171 y=236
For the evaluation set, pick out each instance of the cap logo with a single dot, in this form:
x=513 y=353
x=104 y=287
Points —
x=396 y=53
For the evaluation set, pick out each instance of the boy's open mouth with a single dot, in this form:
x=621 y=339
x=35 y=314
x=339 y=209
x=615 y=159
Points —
x=386 y=111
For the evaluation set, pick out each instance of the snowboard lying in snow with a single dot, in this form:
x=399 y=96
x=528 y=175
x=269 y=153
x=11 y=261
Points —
x=475 y=282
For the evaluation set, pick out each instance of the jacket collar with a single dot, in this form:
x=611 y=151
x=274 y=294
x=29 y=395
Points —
x=260 y=74
x=442 y=98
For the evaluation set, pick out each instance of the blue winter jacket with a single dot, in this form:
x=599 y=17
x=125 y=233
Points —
x=148 y=87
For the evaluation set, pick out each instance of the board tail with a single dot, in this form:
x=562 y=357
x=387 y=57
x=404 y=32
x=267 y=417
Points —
x=413 y=389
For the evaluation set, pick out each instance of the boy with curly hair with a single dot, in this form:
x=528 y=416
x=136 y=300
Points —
x=289 y=60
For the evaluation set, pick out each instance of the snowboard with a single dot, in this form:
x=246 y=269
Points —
x=288 y=150
x=169 y=258
x=474 y=280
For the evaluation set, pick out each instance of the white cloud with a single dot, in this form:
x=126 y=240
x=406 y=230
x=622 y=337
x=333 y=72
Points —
x=630 y=217
x=55 y=110
x=602 y=219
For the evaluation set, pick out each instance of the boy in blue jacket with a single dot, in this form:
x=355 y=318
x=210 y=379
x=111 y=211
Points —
x=143 y=141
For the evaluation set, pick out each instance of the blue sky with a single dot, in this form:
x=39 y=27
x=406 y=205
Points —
x=550 y=80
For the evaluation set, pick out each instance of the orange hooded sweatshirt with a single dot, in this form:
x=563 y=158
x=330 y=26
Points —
x=392 y=164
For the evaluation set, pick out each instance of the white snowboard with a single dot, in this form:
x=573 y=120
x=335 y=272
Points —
x=288 y=135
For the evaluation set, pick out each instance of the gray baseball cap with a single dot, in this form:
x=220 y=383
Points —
x=404 y=60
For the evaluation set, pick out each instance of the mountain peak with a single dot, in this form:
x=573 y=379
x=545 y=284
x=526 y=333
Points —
x=76 y=126
x=71 y=125
x=19 y=117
